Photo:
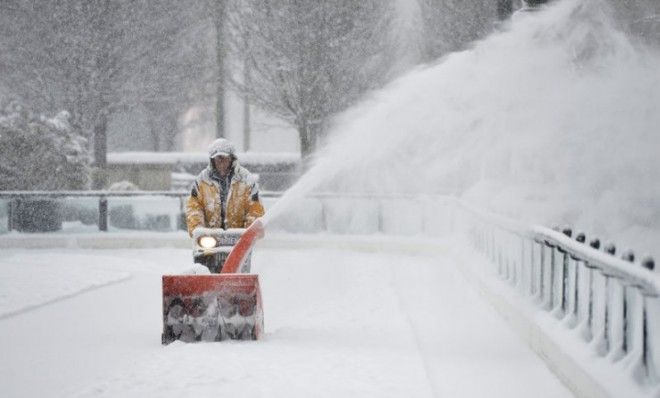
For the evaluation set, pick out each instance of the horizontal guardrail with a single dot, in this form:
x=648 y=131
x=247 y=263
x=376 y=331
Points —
x=102 y=195
x=577 y=248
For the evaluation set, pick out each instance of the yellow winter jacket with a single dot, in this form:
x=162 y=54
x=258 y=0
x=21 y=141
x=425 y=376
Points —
x=204 y=207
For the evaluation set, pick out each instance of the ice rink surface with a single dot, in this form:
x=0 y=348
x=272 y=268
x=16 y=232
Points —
x=87 y=323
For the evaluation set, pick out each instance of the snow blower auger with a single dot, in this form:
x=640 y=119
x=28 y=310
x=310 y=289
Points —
x=217 y=306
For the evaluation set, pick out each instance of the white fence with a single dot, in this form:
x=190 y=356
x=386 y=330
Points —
x=611 y=303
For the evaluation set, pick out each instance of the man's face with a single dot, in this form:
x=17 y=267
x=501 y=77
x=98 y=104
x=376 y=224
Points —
x=222 y=164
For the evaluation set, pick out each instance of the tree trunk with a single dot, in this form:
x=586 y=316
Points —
x=246 y=109
x=535 y=3
x=155 y=140
x=153 y=131
x=101 y=141
x=218 y=21
x=504 y=9
x=99 y=177
x=169 y=142
x=246 y=125
x=309 y=134
x=306 y=142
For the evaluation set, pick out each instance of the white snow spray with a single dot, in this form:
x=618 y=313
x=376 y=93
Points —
x=552 y=120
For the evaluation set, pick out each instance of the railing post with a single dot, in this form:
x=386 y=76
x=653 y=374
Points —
x=647 y=361
x=506 y=260
x=103 y=214
x=515 y=274
x=630 y=257
x=564 y=277
x=10 y=215
x=542 y=287
x=492 y=245
x=523 y=258
x=580 y=237
x=625 y=320
x=645 y=338
x=563 y=289
x=532 y=267
x=551 y=289
x=182 y=222
x=587 y=333
x=603 y=346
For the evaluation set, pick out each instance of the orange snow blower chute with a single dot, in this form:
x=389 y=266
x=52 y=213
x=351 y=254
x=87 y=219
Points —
x=220 y=306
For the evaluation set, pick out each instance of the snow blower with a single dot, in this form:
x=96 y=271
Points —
x=223 y=305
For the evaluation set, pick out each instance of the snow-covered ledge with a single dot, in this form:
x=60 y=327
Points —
x=96 y=240
x=591 y=316
x=568 y=360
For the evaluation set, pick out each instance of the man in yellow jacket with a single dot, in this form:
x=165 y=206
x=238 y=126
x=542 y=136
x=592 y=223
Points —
x=224 y=195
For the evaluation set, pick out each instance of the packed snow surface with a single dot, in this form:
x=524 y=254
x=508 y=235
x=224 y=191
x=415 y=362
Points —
x=338 y=323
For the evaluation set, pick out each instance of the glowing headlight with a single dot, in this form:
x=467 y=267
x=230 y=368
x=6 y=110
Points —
x=207 y=242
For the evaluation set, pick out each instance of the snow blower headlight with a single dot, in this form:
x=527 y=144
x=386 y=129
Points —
x=207 y=242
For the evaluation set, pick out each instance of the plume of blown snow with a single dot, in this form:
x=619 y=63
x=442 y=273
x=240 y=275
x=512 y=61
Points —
x=552 y=120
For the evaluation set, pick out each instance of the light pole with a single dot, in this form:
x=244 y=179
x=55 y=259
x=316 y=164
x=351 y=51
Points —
x=219 y=21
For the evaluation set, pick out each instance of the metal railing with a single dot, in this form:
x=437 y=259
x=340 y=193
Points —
x=102 y=196
x=325 y=201
x=607 y=300
x=15 y=196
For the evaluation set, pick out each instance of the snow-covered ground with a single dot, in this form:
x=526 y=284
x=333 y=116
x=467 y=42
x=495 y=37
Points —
x=553 y=120
x=87 y=323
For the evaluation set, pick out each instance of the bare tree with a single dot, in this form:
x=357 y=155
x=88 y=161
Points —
x=96 y=57
x=179 y=73
x=308 y=60
x=218 y=19
x=504 y=9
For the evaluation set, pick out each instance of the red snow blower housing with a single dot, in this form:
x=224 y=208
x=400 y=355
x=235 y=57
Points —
x=219 y=306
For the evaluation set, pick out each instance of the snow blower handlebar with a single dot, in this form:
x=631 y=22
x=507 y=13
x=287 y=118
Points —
x=243 y=246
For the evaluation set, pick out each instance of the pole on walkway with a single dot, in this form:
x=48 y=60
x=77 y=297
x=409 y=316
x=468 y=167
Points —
x=103 y=214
